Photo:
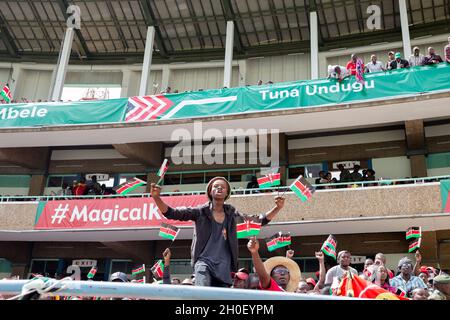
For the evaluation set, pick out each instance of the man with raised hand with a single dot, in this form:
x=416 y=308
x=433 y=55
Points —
x=214 y=250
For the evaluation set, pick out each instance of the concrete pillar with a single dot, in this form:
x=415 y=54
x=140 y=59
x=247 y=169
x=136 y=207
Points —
x=15 y=79
x=314 y=39
x=229 y=44
x=165 y=78
x=152 y=177
x=126 y=78
x=145 y=76
x=429 y=248
x=63 y=62
x=37 y=185
x=242 y=72
x=418 y=166
x=416 y=147
x=405 y=29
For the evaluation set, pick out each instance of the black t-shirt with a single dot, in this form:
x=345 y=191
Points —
x=217 y=253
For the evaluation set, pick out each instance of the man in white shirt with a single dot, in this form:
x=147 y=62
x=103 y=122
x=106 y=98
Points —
x=335 y=274
x=337 y=72
x=416 y=58
x=374 y=65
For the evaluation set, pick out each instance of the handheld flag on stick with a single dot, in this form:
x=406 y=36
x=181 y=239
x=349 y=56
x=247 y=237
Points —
x=141 y=280
x=138 y=270
x=302 y=188
x=278 y=240
x=248 y=227
x=6 y=93
x=158 y=269
x=329 y=246
x=162 y=171
x=270 y=180
x=415 y=245
x=168 y=231
x=359 y=71
x=92 y=273
x=129 y=186
x=413 y=232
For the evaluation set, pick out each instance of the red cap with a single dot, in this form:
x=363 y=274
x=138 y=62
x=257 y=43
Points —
x=241 y=275
x=424 y=269
x=311 y=281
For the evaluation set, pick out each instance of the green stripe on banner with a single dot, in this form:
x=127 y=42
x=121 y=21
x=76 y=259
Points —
x=39 y=210
x=378 y=86
x=445 y=189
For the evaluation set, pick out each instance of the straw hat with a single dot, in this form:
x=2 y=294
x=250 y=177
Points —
x=291 y=265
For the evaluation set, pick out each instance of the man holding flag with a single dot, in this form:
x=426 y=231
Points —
x=214 y=251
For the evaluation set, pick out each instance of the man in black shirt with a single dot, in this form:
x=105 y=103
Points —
x=214 y=251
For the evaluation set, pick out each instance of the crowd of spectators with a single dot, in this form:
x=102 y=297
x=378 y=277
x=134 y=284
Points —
x=394 y=61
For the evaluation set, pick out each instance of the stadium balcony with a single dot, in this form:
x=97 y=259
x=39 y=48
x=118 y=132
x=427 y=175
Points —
x=384 y=98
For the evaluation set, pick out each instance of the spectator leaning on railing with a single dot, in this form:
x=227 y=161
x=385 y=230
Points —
x=399 y=63
x=447 y=51
x=432 y=57
x=337 y=72
x=416 y=59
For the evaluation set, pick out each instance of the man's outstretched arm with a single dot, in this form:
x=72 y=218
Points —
x=264 y=277
x=182 y=214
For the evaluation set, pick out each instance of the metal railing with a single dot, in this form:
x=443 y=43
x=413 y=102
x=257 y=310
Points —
x=157 y=292
x=328 y=186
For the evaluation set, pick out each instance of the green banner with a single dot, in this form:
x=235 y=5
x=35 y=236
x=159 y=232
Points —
x=52 y=114
x=280 y=96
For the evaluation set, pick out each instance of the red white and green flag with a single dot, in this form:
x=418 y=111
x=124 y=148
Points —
x=168 y=231
x=415 y=245
x=278 y=240
x=141 y=280
x=445 y=191
x=92 y=273
x=248 y=227
x=138 y=270
x=302 y=188
x=329 y=246
x=270 y=180
x=162 y=171
x=158 y=269
x=129 y=186
x=6 y=94
x=413 y=232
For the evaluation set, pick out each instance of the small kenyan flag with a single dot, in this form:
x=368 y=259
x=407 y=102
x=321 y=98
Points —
x=400 y=293
x=272 y=243
x=129 y=186
x=302 y=188
x=415 y=245
x=92 y=273
x=168 y=231
x=248 y=227
x=158 y=269
x=270 y=180
x=6 y=93
x=162 y=171
x=138 y=270
x=141 y=280
x=329 y=246
x=413 y=232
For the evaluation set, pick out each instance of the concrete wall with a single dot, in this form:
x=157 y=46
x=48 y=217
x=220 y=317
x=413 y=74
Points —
x=326 y=204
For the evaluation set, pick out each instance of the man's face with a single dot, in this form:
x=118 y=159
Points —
x=253 y=283
x=374 y=59
x=416 y=52
x=302 y=287
x=420 y=294
x=176 y=281
x=368 y=262
x=281 y=276
x=219 y=190
x=391 y=56
x=424 y=277
x=431 y=51
x=406 y=268
x=345 y=259
x=380 y=259
x=238 y=283
x=382 y=273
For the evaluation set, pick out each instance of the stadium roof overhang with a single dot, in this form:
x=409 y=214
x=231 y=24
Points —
x=192 y=30
x=428 y=222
